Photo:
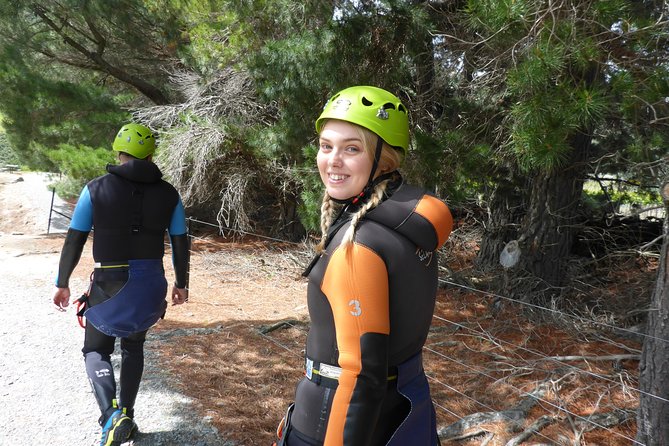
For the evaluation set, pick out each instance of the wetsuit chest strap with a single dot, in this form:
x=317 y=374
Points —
x=328 y=375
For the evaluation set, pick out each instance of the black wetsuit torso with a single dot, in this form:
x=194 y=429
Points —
x=130 y=209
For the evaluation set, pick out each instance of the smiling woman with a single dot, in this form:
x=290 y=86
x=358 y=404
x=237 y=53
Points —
x=372 y=286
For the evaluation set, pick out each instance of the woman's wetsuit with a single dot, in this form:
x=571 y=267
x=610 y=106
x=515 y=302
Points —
x=371 y=305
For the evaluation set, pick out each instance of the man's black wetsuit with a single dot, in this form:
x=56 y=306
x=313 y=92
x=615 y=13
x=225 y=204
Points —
x=130 y=209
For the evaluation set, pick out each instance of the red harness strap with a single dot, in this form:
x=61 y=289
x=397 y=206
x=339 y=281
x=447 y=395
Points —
x=82 y=304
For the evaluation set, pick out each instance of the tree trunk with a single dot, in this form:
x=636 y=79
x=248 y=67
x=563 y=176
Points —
x=547 y=232
x=653 y=414
x=549 y=205
x=505 y=212
x=546 y=238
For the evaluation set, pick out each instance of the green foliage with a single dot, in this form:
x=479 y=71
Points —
x=375 y=43
x=44 y=107
x=80 y=164
x=497 y=86
x=540 y=68
x=494 y=15
x=564 y=78
x=543 y=124
x=7 y=154
x=447 y=164
x=557 y=93
x=309 y=210
x=428 y=157
x=125 y=40
x=228 y=33
x=610 y=11
x=287 y=78
x=600 y=199
x=69 y=68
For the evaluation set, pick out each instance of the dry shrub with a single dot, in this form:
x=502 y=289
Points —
x=203 y=154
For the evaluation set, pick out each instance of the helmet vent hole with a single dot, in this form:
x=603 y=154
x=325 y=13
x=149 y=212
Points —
x=388 y=106
x=366 y=101
x=402 y=109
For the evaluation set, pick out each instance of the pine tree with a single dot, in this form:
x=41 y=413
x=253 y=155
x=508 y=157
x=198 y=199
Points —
x=125 y=41
x=558 y=92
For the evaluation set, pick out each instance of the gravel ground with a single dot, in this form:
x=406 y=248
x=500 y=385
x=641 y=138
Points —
x=44 y=391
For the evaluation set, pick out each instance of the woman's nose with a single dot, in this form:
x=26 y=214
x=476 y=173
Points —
x=335 y=158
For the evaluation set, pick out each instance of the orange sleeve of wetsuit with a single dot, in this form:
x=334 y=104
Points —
x=437 y=213
x=356 y=286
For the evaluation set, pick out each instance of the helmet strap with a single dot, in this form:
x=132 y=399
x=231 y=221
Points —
x=371 y=182
x=375 y=163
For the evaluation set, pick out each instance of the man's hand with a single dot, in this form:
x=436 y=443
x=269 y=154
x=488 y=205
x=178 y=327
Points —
x=179 y=295
x=61 y=298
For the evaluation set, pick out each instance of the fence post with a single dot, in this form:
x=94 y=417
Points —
x=53 y=196
x=188 y=239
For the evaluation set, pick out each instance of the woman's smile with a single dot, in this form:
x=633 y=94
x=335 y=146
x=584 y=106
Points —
x=335 y=177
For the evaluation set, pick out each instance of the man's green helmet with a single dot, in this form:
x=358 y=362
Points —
x=372 y=108
x=136 y=140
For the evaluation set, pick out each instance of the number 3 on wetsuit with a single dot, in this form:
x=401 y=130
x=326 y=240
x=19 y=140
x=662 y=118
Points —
x=355 y=307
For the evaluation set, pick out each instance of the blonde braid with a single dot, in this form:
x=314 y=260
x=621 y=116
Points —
x=327 y=213
x=375 y=199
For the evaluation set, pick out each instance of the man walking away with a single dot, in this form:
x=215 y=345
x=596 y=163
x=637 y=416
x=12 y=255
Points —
x=129 y=208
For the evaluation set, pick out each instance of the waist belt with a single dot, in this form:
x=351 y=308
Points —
x=107 y=265
x=328 y=375
x=136 y=265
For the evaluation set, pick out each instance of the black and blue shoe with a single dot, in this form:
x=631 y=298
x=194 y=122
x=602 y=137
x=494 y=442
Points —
x=117 y=430
x=135 y=429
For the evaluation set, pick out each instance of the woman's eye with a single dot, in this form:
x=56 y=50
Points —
x=325 y=147
x=352 y=149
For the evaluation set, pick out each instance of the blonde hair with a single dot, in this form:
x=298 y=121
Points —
x=377 y=196
x=389 y=161
x=328 y=207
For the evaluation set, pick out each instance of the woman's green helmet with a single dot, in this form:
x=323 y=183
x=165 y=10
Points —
x=372 y=108
x=136 y=140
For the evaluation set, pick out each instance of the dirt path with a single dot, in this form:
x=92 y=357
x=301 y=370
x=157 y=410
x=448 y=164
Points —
x=43 y=387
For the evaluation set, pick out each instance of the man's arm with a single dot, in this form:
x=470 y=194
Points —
x=180 y=254
x=180 y=259
x=77 y=234
x=70 y=255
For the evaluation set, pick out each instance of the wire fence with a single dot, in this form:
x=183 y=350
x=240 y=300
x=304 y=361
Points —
x=553 y=408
